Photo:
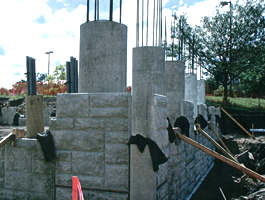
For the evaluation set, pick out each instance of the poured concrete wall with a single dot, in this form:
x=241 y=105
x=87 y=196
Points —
x=175 y=87
x=191 y=90
x=91 y=134
x=148 y=78
x=103 y=57
x=201 y=91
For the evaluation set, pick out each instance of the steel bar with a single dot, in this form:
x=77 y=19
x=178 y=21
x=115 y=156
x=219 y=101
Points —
x=137 y=25
x=147 y=15
x=68 y=77
x=237 y=123
x=28 y=63
x=157 y=9
x=95 y=11
x=120 y=10
x=33 y=77
x=154 y=23
x=161 y=23
x=87 y=13
x=111 y=10
x=166 y=30
x=72 y=64
x=222 y=158
x=222 y=193
x=142 y=22
x=76 y=76
x=215 y=143
x=98 y=10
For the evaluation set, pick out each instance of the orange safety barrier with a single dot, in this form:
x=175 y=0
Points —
x=76 y=188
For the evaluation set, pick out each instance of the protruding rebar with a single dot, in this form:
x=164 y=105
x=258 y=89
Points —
x=157 y=9
x=98 y=10
x=137 y=25
x=87 y=18
x=154 y=22
x=147 y=15
x=142 y=22
x=111 y=10
x=95 y=11
x=120 y=10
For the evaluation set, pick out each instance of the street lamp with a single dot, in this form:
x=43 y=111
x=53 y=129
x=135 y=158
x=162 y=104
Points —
x=49 y=52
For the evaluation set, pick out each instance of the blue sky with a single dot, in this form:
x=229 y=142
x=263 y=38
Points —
x=39 y=26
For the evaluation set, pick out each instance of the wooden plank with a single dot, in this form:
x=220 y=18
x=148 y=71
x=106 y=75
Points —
x=6 y=139
x=237 y=123
x=222 y=158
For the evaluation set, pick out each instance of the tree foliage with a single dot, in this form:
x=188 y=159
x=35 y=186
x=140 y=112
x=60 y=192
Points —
x=231 y=45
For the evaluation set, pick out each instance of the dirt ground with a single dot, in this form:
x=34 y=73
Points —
x=222 y=178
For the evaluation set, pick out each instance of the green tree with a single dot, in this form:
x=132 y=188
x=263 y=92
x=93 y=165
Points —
x=58 y=74
x=229 y=43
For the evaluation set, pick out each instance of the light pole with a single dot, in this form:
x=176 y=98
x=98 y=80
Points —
x=49 y=52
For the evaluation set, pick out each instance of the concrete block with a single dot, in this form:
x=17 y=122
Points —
x=116 y=154
x=88 y=163
x=201 y=91
x=191 y=93
x=8 y=114
x=103 y=57
x=42 y=167
x=119 y=112
x=117 y=177
x=63 y=180
x=116 y=137
x=72 y=105
x=62 y=124
x=88 y=123
x=22 y=121
x=34 y=112
x=115 y=124
x=18 y=180
x=102 y=100
x=63 y=167
x=89 y=140
x=64 y=156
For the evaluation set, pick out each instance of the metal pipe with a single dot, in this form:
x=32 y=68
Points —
x=137 y=25
x=87 y=13
x=111 y=10
x=147 y=13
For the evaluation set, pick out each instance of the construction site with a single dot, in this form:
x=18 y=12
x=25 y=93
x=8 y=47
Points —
x=100 y=140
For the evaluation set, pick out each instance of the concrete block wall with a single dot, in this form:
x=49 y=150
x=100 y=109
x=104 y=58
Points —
x=24 y=174
x=91 y=134
x=7 y=115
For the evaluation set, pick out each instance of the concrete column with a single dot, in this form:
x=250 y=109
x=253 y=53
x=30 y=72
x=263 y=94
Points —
x=34 y=113
x=201 y=91
x=175 y=88
x=148 y=79
x=103 y=57
x=191 y=90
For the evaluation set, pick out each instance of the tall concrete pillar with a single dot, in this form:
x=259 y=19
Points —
x=34 y=113
x=201 y=91
x=175 y=88
x=191 y=90
x=147 y=79
x=103 y=57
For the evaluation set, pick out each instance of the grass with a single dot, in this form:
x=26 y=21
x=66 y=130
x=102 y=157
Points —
x=238 y=103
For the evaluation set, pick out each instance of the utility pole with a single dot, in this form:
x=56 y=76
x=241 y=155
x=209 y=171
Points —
x=49 y=52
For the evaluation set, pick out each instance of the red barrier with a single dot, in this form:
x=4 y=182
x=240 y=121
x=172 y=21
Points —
x=76 y=188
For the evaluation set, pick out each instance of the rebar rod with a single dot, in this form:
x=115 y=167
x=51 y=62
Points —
x=120 y=10
x=154 y=23
x=87 y=13
x=147 y=15
x=111 y=10
x=142 y=22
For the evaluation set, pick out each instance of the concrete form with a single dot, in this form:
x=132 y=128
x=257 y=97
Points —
x=201 y=91
x=103 y=57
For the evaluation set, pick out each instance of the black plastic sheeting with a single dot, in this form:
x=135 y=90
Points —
x=157 y=156
x=47 y=145
x=201 y=121
x=183 y=123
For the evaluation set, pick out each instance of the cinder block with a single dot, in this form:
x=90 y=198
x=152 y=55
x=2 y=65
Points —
x=63 y=167
x=64 y=156
x=117 y=177
x=116 y=124
x=116 y=137
x=62 y=124
x=90 y=140
x=88 y=163
x=18 y=180
x=88 y=123
x=42 y=167
x=116 y=154
x=101 y=100
x=72 y=105
x=121 y=112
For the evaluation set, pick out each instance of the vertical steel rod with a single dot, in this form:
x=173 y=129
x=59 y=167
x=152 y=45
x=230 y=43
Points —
x=142 y=22
x=154 y=23
x=147 y=13
x=120 y=10
x=68 y=77
x=137 y=25
x=156 y=19
x=111 y=10
x=98 y=11
x=166 y=30
x=95 y=11
x=87 y=13
x=161 y=21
